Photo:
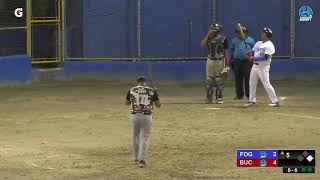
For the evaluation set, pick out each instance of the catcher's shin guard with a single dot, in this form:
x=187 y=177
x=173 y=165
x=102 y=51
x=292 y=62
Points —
x=209 y=90
x=219 y=85
x=219 y=92
x=209 y=95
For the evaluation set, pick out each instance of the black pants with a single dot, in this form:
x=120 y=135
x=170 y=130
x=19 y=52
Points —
x=242 y=69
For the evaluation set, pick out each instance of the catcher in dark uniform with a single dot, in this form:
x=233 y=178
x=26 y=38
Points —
x=217 y=63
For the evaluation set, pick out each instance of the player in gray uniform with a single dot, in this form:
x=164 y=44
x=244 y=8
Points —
x=141 y=98
x=217 y=62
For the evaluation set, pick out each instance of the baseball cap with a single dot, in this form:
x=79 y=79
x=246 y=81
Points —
x=141 y=78
x=268 y=31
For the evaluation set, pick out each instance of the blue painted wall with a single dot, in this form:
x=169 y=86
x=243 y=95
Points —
x=170 y=71
x=15 y=69
x=178 y=71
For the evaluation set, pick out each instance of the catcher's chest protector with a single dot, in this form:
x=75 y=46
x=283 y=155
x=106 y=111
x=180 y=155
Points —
x=215 y=47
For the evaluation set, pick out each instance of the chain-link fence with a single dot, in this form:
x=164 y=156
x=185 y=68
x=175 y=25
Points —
x=44 y=9
x=136 y=29
x=44 y=44
x=46 y=35
x=101 y=29
x=174 y=29
x=153 y=29
x=13 y=37
x=171 y=30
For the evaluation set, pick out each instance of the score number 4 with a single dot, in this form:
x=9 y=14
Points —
x=275 y=162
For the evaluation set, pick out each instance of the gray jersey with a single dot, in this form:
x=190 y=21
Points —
x=142 y=99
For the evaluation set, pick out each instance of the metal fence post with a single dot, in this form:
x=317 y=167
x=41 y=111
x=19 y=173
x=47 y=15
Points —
x=29 y=33
x=139 y=29
x=63 y=29
x=292 y=29
x=214 y=11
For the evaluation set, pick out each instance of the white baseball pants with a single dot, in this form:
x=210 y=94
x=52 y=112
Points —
x=261 y=72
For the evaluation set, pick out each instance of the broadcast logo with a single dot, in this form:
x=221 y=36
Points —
x=263 y=163
x=18 y=12
x=263 y=154
x=305 y=13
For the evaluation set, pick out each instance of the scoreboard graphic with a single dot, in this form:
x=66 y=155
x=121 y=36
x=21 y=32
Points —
x=292 y=161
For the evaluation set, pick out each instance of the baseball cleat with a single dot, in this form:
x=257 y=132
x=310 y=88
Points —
x=219 y=101
x=249 y=104
x=277 y=104
x=142 y=164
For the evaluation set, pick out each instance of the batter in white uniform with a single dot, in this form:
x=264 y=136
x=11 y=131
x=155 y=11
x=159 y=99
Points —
x=263 y=51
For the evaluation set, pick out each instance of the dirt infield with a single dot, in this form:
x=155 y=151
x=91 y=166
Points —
x=81 y=130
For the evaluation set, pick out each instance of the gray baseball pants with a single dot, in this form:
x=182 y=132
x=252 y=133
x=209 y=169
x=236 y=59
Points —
x=215 y=81
x=141 y=125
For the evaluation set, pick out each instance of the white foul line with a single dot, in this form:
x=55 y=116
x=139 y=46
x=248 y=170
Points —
x=298 y=116
x=283 y=98
x=212 y=108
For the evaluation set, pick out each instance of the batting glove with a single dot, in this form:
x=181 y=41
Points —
x=250 y=56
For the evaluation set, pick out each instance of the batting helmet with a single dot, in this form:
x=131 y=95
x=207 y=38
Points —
x=268 y=32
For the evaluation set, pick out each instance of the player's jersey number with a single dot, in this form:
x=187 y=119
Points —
x=142 y=99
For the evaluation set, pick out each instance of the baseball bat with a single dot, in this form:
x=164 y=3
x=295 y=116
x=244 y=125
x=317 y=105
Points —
x=241 y=34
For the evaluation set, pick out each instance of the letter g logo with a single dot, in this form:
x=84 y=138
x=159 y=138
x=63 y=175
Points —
x=18 y=12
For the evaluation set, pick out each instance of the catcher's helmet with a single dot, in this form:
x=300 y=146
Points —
x=268 y=32
x=217 y=26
